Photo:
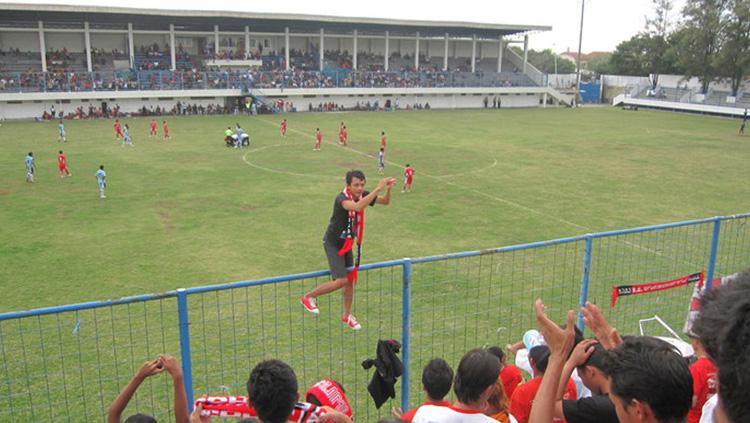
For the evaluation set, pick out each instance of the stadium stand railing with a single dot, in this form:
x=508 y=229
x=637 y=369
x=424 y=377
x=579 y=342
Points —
x=691 y=96
x=69 y=362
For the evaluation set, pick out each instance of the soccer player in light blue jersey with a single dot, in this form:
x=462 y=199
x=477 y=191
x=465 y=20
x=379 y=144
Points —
x=30 y=167
x=101 y=176
x=126 y=136
x=61 y=128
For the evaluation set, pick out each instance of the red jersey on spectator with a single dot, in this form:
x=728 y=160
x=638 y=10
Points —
x=511 y=378
x=409 y=415
x=523 y=398
x=704 y=385
x=329 y=394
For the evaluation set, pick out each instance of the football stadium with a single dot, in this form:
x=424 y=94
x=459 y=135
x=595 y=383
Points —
x=539 y=245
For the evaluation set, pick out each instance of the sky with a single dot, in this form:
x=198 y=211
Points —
x=606 y=22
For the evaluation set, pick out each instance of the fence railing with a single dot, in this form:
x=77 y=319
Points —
x=69 y=362
x=30 y=82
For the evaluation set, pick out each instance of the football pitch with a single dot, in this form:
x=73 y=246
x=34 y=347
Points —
x=190 y=212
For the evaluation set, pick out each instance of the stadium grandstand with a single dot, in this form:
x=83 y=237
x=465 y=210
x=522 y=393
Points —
x=90 y=57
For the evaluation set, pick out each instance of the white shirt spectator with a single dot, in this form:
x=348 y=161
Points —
x=438 y=414
x=707 y=413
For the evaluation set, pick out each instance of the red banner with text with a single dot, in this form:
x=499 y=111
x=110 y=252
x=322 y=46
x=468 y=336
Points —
x=645 y=288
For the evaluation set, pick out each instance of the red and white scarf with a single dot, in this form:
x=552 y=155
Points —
x=237 y=406
x=358 y=219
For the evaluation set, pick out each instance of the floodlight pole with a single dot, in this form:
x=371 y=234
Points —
x=578 y=59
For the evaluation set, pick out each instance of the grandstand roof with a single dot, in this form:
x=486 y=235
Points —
x=17 y=14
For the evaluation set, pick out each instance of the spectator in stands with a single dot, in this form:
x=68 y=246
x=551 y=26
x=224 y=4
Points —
x=498 y=407
x=523 y=397
x=437 y=377
x=151 y=368
x=560 y=342
x=474 y=383
x=723 y=327
x=510 y=376
x=272 y=392
x=649 y=381
x=704 y=372
x=589 y=359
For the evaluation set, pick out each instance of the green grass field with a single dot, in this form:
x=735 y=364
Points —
x=190 y=212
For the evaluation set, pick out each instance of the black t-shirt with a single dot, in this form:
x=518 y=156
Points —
x=594 y=409
x=336 y=232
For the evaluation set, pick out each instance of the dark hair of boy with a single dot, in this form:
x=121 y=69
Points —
x=272 y=391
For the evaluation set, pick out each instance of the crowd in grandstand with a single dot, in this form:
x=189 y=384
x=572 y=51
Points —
x=622 y=378
x=152 y=71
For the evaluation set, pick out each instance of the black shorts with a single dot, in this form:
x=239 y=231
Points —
x=336 y=263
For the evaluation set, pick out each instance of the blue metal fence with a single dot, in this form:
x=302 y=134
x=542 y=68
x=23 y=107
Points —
x=69 y=362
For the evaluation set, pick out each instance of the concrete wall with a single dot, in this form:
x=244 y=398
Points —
x=19 y=106
x=452 y=101
x=30 y=109
x=146 y=40
x=110 y=42
x=298 y=43
x=25 y=41
x=74 y=42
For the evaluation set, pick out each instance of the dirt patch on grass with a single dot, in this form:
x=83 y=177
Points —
x=164 y=211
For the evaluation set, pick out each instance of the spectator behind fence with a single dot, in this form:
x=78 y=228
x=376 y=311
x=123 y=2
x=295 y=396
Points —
x=151 y=368
x=649 y=381
x=509 y=373
x=473 y=385
x=272 y=392
x=437 y=377
x=498 y=406
x=523 y=397
x=589 y=358
x=724 y=329
x=705 y=380
x=560 y=342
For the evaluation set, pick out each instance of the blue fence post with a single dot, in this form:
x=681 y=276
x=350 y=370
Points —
x=187 y=365
x=585 y=278
x=714 y=249
x=405 y=332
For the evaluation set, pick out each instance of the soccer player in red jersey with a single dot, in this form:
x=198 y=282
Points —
x=62 y=164
x=165 y=128
x=318 y=139
x=283 y=127
x=153 y=126
x=118 y=129
x=343 y=136
x=408 y=178
x=382 y=140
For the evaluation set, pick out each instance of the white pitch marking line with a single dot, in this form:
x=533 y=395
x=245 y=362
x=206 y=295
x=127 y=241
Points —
x=484 y=194
x=439 y=178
